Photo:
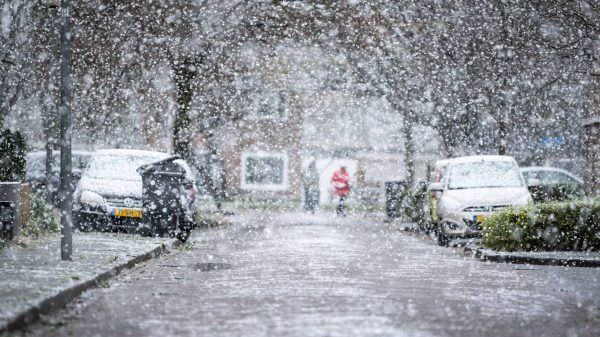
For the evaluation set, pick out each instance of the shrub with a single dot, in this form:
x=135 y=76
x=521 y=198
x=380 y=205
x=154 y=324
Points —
x=573 y=225
x=411 y=203
x=556 y=192
x=12 y=160
x=42 y=219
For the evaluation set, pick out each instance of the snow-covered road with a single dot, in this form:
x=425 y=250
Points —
x=291 y=274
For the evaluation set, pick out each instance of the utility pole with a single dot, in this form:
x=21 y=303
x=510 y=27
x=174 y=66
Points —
x=66 y=87
x=50 y=101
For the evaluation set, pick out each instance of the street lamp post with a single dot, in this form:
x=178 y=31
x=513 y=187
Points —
x=50 y=116
x=66 y=87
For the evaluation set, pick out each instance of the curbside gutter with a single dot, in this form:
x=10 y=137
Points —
x=530 y=258
x=63 y=297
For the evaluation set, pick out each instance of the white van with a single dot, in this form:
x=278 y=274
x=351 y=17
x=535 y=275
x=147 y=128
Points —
x=471 y=188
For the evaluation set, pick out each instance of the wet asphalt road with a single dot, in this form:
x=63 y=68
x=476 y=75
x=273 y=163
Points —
x=277 y=274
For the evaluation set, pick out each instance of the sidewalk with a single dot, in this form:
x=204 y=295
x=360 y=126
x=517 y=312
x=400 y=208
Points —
x=561 y=258
x=35 y=281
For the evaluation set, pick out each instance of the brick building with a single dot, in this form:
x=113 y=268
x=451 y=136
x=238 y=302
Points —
x=261 y=152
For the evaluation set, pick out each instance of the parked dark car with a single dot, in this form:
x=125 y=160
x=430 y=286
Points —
x=552 y=184
x=35 y=170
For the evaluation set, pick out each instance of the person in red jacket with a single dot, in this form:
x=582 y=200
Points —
x=341 y=184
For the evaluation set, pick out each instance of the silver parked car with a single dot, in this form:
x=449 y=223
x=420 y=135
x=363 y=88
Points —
x=471 y=188
x=109 y=193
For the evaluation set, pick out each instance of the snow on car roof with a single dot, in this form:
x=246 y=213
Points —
x=130 y=152
x=472 y=159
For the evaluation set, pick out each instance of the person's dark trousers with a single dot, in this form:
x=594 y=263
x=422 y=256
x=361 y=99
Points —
x=307 y=199
x=341 y=206
x=312 y=198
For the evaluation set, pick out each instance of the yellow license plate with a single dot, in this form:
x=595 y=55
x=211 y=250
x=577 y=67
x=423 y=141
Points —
x=128 y=212
x=478 y=218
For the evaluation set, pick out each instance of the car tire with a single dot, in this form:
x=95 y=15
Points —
x=156 y=232
x=102 y=226
x=144 y=231
x=80 y=225
x=83 y=223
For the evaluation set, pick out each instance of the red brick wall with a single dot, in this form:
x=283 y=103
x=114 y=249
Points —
x=252 y=135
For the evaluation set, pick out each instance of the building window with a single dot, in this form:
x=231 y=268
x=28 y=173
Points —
x=268 y=106
x=264 y=171
x=259 y=101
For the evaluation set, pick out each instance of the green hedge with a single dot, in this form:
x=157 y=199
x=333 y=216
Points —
x=571 y=225
x=411 y=204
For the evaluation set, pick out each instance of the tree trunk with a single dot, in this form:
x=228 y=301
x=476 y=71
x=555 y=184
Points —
x=502 y=137
x=409 y=151
x=447 y=142
x=181 y=134
x=213 y=184
x=184 y=75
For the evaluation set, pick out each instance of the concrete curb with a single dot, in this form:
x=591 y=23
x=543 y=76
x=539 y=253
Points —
x=62 y=298
x=500 y=257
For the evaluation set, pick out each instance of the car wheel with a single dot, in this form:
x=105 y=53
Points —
x=144 y=231
x=82 y=226
x=102 y=226
x=156 y=231
x=83 y=223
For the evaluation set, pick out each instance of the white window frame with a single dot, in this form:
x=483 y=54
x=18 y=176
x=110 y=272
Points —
x=283 y=186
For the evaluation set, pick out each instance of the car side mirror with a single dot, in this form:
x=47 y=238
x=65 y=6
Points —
x=435 y=187
x=533 y=182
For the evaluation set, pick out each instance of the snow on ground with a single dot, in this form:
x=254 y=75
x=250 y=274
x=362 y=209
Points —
x=30 y=275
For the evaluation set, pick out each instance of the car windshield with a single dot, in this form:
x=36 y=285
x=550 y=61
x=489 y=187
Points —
x=117 y=167
x=484 y=174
